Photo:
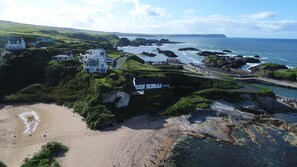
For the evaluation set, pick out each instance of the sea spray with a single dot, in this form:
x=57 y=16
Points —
x=31 y=121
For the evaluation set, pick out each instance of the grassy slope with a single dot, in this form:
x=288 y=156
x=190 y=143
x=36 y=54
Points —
x=30 y=32
x=268 y=70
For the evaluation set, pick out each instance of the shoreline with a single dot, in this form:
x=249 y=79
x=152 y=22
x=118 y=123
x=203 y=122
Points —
x=141 y=140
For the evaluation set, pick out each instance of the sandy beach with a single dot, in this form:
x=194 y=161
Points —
x=139 y=141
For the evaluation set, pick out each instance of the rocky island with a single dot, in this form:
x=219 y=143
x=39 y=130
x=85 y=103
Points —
x=167 y=53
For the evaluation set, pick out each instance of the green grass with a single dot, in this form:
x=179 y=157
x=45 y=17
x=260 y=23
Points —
x=187 y=105
x=64 y=37
x=114 y=55
x=46 y=156
x=134 y=63
x=289 y=74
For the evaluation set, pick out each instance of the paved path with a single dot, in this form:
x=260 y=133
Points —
x=119 y=63
x=245 y=78
x=288 y=84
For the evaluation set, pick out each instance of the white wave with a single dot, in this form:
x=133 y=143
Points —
x=249 y=65
x=282 y=59
x=194 y=60
x=264 y=58
x=31 y=121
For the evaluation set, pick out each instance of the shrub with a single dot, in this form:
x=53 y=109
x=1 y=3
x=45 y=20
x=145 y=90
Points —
x=187 y=104
x=98 y=117
x=2 y=164
x=45 y=157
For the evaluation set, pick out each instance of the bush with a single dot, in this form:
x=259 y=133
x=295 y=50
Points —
x=267 y=92
x=98 y=117
x=187 y=105
x=45 y=157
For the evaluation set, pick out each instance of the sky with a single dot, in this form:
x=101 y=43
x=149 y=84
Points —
x=234 y=18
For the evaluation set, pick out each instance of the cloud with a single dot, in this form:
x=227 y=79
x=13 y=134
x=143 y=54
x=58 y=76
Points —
x=145 y=10
x=262 y=15
x=188 y=12
x=136 y=17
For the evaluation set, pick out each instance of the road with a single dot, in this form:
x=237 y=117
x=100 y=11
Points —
x=119 y=62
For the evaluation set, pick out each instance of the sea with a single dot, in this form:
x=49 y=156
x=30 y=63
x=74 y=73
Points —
x=193 y=152
x=280 y=51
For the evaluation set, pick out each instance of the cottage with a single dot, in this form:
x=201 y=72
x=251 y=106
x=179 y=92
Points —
x=44 y=39
x=151 y=83
x=65 y=56
x=95 y=61
x=62 y=58
x=15 y=44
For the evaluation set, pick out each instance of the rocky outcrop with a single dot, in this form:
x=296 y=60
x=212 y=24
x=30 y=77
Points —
x=275 y=71
x=167 y=53
x=188 y=49
x=268 y=67
x=209 y=53
x=257 y=56
x=124 y=42
x=228 y=62
x=120 y=99
x=143 y=42
x=227 y=51
x=148 y=54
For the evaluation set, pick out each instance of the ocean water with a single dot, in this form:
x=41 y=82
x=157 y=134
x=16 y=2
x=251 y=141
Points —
x=287 y=92
x=281 y=51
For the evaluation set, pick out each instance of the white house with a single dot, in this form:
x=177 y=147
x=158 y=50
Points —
x=95 y=61
x=150 y=83
x=15 y=44
x=65 y=57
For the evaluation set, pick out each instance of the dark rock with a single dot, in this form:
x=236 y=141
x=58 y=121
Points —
x=257 y=56
x=239 y=56
x=251 y=60
x=209 y=53
x=124 y=42
x=267 y=68
x=228 y=62
x=227 y=51
x=149 y=54
x=149 y=42
x=144 y=42
x=188 y=49
x=167 y=53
